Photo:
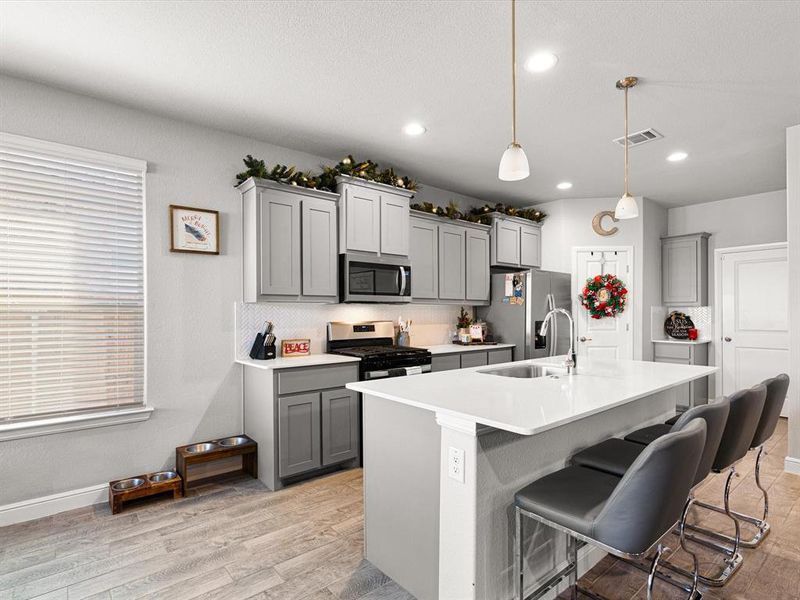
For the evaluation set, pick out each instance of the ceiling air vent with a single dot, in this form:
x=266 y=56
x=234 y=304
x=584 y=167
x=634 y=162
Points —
x=639 y=137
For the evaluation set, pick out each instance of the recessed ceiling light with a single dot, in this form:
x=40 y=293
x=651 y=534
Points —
x=414 y=129
x=677 y=156
x=541 y=62
x=564 y=185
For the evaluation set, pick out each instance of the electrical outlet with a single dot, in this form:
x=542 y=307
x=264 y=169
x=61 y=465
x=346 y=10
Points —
x=455 y=464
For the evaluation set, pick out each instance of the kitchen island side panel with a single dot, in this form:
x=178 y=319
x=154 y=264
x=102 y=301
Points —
x=506 y=462
x=401 y=493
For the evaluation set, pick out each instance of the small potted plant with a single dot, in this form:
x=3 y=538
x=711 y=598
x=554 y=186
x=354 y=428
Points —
x=464 y=322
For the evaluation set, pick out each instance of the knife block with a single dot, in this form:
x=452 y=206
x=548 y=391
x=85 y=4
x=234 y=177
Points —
x=266 y=353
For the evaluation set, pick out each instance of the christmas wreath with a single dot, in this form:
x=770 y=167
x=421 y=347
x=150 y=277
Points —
x=604 y=296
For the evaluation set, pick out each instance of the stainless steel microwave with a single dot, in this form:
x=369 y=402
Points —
x=374 y=279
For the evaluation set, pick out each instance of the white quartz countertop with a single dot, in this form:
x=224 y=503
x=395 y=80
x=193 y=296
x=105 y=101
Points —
x=458 y=348
x=312 y=360
x=684 y=342
x=530 y=406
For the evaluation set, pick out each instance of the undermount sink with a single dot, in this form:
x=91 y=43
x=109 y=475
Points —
x=525 y=372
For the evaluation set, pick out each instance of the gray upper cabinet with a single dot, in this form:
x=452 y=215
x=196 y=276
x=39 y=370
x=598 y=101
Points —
x=394 y=224
x=424 y=255
x=373 y=217
x=684 y=269
x=452 y=262
x=530 y=243
x=279 y=241
x=319 y=248
x=340 y=426
x=289 y=243
x=299 y=433
x=515 y=242
x=505 y=243
x=477 y=266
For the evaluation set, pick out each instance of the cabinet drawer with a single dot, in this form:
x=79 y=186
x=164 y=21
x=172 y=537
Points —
x=678 y=351
x=473 y=359
x=500 y=356
x=291 y=381
x=447 y=362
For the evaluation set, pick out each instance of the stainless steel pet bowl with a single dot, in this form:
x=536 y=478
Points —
x=163 y=476
x=128 y=484
x=236 y=440
x=200 y=448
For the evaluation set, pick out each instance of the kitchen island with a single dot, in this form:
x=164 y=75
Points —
x=444 y=453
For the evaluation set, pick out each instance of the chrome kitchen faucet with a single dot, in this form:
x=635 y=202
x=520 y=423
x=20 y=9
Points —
x=571 y=361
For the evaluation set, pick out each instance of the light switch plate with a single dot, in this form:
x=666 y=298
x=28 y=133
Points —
x=455 y=464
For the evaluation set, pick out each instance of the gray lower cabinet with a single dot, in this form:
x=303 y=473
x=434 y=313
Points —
x=303 y=419
x=470 y=358
x=299 y=431
x=692 y=393
x=452 y=262
x=340 y=426
x=424 y=256
x=289 y=243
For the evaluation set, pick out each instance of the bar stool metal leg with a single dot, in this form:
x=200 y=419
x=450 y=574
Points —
x=519 y=590
x=572 y=558
x=762 y=526
x=651 y=576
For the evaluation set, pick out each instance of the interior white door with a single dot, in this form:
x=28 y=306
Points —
x=610 y=337
x=755 y=316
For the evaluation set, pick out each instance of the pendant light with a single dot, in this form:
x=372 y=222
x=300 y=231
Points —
x=626 y=206
x=514 y=164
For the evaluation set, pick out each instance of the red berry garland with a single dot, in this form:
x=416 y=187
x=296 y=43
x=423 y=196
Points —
x=604 y=296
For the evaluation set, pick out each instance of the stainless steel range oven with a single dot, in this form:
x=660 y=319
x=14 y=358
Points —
x=374 y=279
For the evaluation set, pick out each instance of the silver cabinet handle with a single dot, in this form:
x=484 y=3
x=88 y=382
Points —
x=402 y=281
x=727 y=339
x=585 y=339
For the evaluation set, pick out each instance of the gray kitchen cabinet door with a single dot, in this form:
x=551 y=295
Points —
x=477 y=265
x=503 y=355
x=299 y=433
x=448 y=362
x=340 y=426
x=530 y=243
x=452 y=262
x=394 y=225
x=474 y=359
x=684 y=267
x=362 y=219
x=319 y=248
x=506 y=243
x=424 y=256
x=279 y=242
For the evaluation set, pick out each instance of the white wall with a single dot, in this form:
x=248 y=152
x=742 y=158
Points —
x=756 y=219
x=191 y=378
x=569 y=224
x=793 y=214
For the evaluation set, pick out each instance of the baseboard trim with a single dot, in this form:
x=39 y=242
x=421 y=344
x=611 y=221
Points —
x=792 y=465
x=44 y=506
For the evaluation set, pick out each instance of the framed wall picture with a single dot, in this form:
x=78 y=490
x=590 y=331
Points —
x=193 y=230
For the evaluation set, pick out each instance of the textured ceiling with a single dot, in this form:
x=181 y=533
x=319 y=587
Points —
x=720 y=80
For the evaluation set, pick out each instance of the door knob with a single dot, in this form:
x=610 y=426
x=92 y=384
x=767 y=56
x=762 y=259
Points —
x=585 y=339
x=727 y=339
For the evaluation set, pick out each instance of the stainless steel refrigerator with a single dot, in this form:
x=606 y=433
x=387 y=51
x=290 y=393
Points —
x=519 y=324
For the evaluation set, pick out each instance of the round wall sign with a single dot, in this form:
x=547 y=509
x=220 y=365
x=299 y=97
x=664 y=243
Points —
x=677 y=325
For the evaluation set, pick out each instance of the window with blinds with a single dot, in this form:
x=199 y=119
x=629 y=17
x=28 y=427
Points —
x=71 y=280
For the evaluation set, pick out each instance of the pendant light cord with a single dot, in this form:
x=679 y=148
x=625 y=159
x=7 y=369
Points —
x=626 y=141
x=513 y=73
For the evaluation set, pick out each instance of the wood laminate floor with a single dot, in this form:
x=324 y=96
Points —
x=235 y=540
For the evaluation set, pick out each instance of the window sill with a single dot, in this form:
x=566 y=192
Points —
x=51 y=425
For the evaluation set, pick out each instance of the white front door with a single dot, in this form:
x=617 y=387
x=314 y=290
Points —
x=755 y=316
x=609 y=337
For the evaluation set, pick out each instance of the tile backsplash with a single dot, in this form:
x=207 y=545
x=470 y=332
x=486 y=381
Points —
x=432 y=323
x=702 y=317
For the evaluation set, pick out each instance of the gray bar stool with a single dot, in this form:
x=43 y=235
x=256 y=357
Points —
x=628 y=517
x=773 y=403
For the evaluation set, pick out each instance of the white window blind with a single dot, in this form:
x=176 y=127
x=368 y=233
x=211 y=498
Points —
x=71 y=280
